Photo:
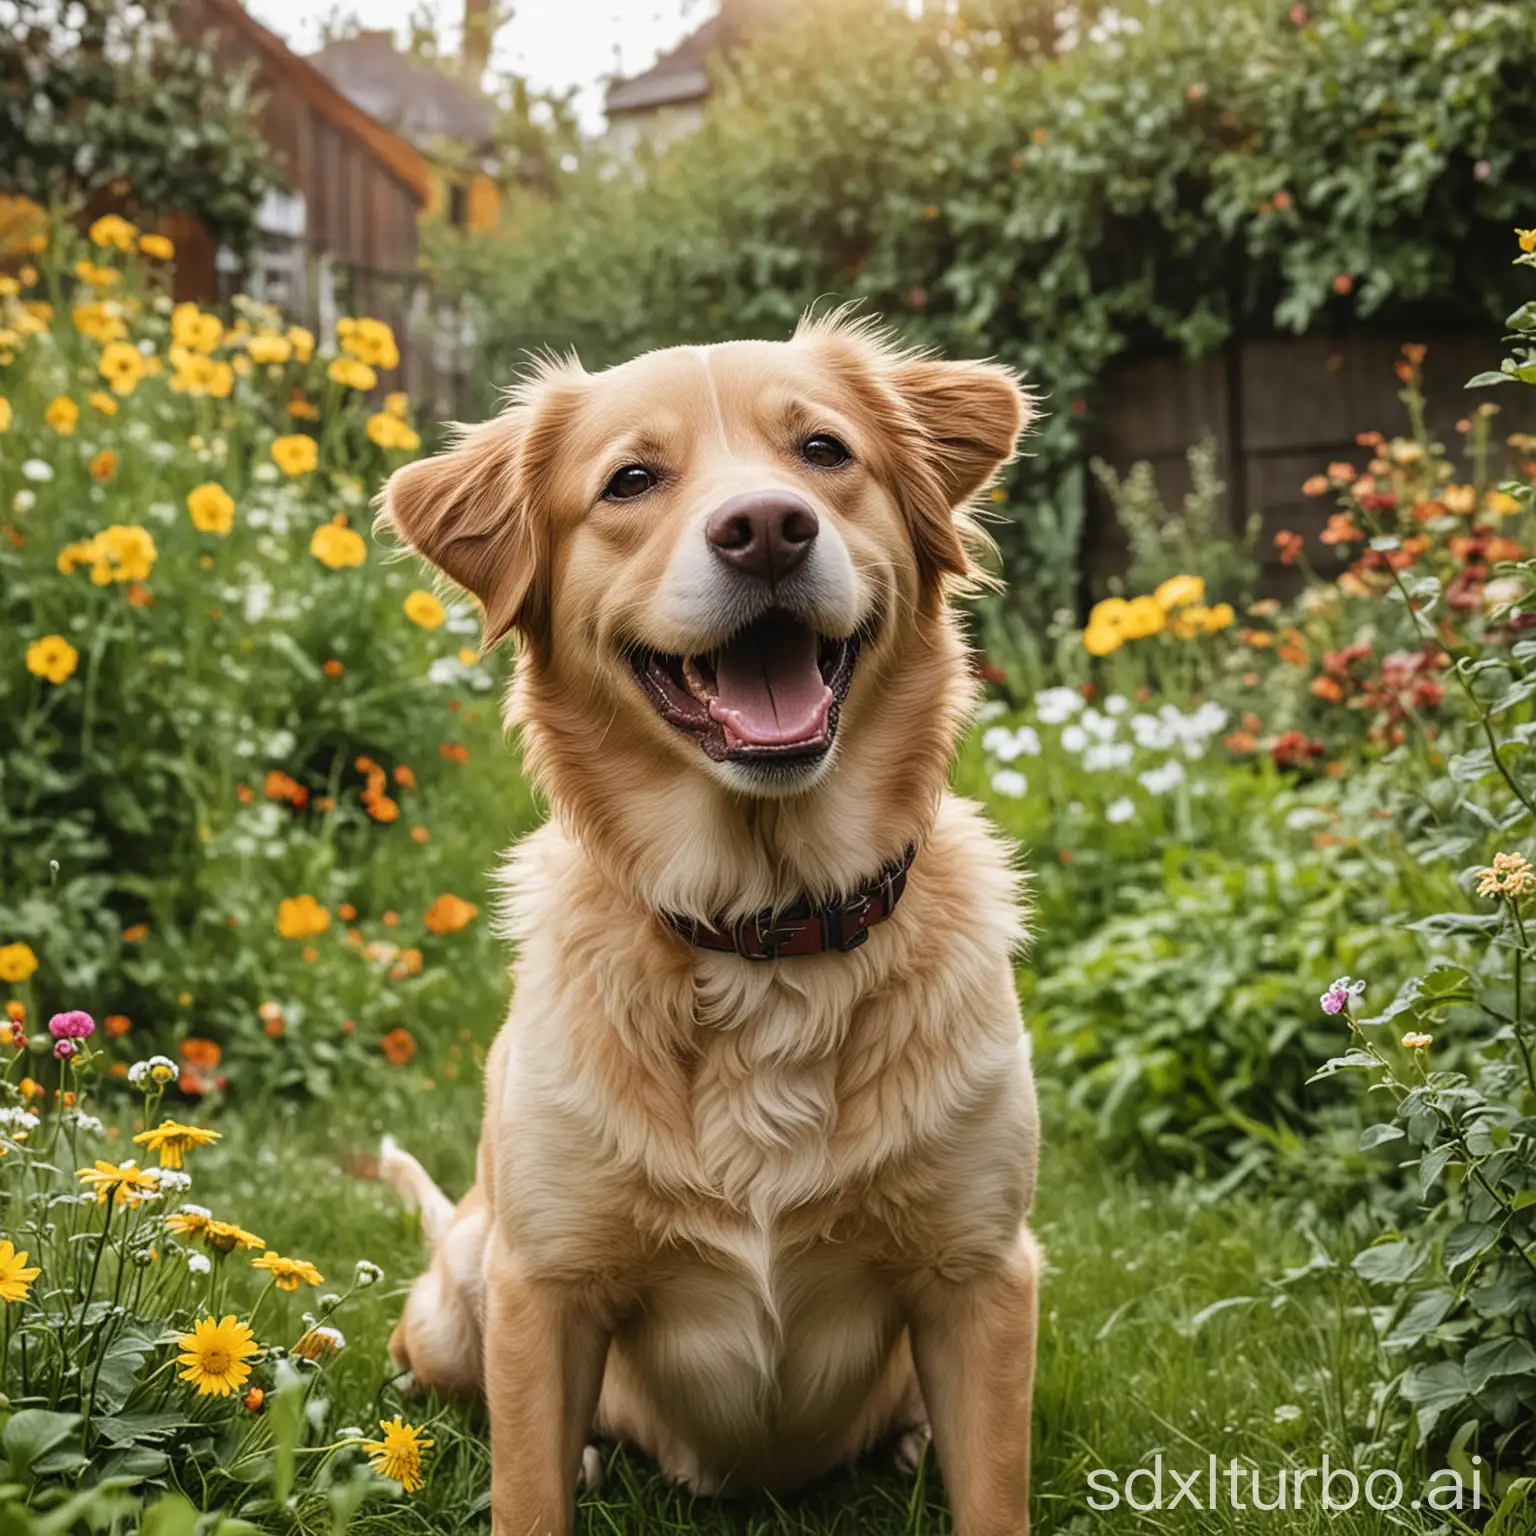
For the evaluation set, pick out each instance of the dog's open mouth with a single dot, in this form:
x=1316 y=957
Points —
x=771 y=693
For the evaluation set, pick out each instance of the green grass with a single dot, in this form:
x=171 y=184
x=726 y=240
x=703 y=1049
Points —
x=1133 y=1359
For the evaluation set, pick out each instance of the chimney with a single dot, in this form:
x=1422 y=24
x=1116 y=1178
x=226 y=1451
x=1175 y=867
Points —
x=475 y=52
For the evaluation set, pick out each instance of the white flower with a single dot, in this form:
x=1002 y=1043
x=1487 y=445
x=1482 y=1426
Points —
x=23 y=501
x=990 y=710
x=1306 y=816
x=37 y=469
x=1158 y=781
x=1005 y=745
x=1100 y=727
x=1116 y=704
x=87 y=1123
x=1057 y=705
x=139 y=1072
x=1073 y=738
x=171 y=1180
x=1119 y=810
x=367 y=1273
x=198 y=1263
x=1010 y=782
x=1108 y=754
x=19 y=1119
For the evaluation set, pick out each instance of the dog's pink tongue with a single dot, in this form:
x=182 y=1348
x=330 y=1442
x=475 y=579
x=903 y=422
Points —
x=769 y=689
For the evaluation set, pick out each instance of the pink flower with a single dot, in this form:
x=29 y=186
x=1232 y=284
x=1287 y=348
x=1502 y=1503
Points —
x=74 y=1025
x=1339 y=996
x=64 y=1049
x=1482 y=170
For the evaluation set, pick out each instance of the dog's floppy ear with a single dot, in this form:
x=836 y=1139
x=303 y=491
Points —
x=471 y=510
x=969 y=417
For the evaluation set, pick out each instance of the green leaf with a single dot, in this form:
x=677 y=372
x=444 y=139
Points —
x=1388 y=1263
x=1506 y=1356
x=1425 y=1315
x=1467 y=1241
x=1434 y=1390
x=31 y=1434
x=1482 y=380
x=1379 y=1134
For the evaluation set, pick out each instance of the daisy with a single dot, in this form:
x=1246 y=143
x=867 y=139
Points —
x=398 y=1455
x=15 y=1277
x=214 y=1355
x=286 y=1273
x=126 y=1183
x=173 y=1141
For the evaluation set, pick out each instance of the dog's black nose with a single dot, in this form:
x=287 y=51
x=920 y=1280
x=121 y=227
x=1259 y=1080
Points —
x=763 y=533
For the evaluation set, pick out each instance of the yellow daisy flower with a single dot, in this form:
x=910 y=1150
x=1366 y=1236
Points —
x=173 y=1140
x=17 y=962
x=286 y=1273
x=61 y=415
x=398 y=1456
x=122 y=1183
x=212 y=508
x=337 y=546
x=52 y=657
x=214 y=1354
x=225 y=1236
x=295 y=454
x=424 y=609
x=15 y=1277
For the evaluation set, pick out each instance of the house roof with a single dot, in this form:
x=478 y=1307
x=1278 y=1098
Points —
x=415 y=99
x=285 y=65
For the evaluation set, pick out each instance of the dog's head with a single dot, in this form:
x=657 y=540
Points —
x=727 y=565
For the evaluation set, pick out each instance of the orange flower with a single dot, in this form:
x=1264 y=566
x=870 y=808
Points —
x=1327 y=688
x=117 y=1025
x=404 y=777
x=1315 y=485
x=390 y=919
x=1414 y=351
x=1289 y=545
x=382 y=808
x=1293 y=648
x=1341 y=529
x=1241 y=741
x=420 y=835
x=103 y=465
x=206 y=1054
x=279 y=786
x=454 y=752
x=399 y=1045
x=346 y=912
x=1343 y=285
x=333 y=668
x=135 y=933
x=448 y=914
x=410 y=961
x=139 y=596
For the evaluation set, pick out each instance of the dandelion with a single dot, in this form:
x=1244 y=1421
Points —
x=15 y=1277
x=52 y=658
x=424 y=609
x=1414 y=1041
x=320 y=1342
x=214 y=1355
x=295 y=454
x=398 y=1456
x=1510 y=875
x=211 y=508
x=173 y=1140
x=122 y=1183
x=1340 y=994
x=287 y=1273
x=337 y=546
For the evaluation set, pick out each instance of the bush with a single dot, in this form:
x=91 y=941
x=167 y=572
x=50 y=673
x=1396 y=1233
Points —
x=1180 y=171
x=231 y=727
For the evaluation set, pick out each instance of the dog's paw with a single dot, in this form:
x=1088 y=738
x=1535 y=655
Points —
x=910 y=1448
x=590 y=1478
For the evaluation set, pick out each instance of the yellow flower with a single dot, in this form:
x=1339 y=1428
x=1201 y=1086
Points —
x=295 y=454
x=1219 y=617
x=196 y=374
x=96 y=277
x=1101 y=639
x=449 y=913
x=1527 y=238
x=124 y=1183
x=352 y=373
x=397 y=403
x=371 y=341
x=173 y=1140
x=1502 y=504
x=103 y=402
x=468 y=657
x=303 y=343
x=15 y=1277
x=1143 y=616
x=269 y=347
x=17 y=962
x=388 y=431
x=52 y=657
x=5 y=414
x=424 y=609
x=114 y=231
x=99 y=320
x=225 y=1236
x=214 y=1355
x=301 y=917
x=61 y=415
x=104 y=465
x=337 y=546
x=158 y=247
x=194 y=330
x=1188 y=622
x=1180 y=591
x=119 y=553
x=286 y=1273
x=122 y=366
x=1110 y=614
x=189 y=1221
x=1414 y=1041
x=1510 y=874
x=212 y=508
x=398 y=1455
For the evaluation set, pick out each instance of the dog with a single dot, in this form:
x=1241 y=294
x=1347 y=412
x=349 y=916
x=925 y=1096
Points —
x=760 y=1133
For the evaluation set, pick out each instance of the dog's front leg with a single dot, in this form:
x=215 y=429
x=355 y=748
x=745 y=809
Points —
x=973 y=1341
x=546 y=1344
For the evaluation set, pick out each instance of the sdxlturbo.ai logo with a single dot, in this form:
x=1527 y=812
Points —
x=1243 y=1486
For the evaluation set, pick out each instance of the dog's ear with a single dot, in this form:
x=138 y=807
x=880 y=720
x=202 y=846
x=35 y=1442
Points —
x=472 y=509
x=969 y=417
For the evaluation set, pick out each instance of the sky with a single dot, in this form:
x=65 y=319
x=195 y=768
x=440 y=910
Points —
x=554 y=44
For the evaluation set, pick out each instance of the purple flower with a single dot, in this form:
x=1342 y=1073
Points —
x=1482 y=170
x=1339 y=995
x=73 y=1025
x=64 y=1049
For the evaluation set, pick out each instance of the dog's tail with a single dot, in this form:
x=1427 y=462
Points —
x=414 y=1185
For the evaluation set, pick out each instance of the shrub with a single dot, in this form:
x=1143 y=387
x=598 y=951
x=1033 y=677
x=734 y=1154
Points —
x=232 y=727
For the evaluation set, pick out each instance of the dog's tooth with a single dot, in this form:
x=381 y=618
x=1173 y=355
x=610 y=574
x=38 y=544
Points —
x=695 y=680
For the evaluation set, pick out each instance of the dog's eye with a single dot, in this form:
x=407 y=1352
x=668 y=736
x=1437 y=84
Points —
x=825 y=451
x=627 y=483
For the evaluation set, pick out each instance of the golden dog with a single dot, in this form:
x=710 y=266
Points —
x=760 y=1132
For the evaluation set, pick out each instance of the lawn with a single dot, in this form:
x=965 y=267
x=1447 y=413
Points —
x=1171 y=1323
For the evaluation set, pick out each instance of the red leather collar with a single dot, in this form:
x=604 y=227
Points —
x=804 y=928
